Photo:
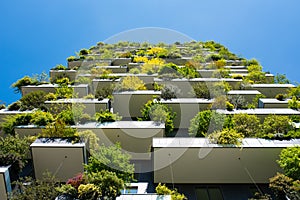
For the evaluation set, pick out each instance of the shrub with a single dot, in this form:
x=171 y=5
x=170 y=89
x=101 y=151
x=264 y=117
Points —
x=220 y=88
x=2 y=106
x=9 y=123
x=221 y=73
x=90 y=137
x=280 y=97
x=14 y=106
x=226 y=136
x=59 y=129
x=164 y=190
x=163 y=112
x=200 y=90
x=83 y=80
x=294 y=103
x=134 y=71
x=83 y=52
x=229 y=106
x=276 y=126
x=248 y=125
x=169 y=91
x=64 y=92
x=105 y=92
x=220 y=63
x=26 y=80
x=130 y=83
x=238 y=101
x=281 y=79
x=50 y=96
x=205 y=122
x=140 y=59
x=89 y=96
x=107 y=116
x=41 y=118
x=295 y=92
x=33 y=100
x=59 y=67
x=289 y=162
x=71 y=58
x=188 y=72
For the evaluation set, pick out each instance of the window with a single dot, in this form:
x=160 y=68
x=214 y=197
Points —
x=130 y=190
x=209 y=193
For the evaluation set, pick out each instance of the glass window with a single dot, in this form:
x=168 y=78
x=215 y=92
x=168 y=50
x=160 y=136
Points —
x=209 y=193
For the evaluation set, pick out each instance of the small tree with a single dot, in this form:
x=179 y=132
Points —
x=226 y=136
x=26 y=80
x=276 y=125
x=130 y=83
x=33 y=100
x=248 y=125
x=107 y=116
x=164 y=190
x=289 y=161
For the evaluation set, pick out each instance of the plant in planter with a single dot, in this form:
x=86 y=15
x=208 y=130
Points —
x=248 y=125
x=33 y=100
x=275 y=126
x=26 y=80
x=294 y=103
x=156 y=111
x=152 y=66
x=130 y=83
x=200 y=90
x=41 y=118
x=59 y=67
x=58 y=129
x=105 y=92
x=14 y=106
x=229 y=106
x=226 y=136
x=164 y=190
x=9 y=123
x=280 y=97
x=107 y=116
x=169 y=91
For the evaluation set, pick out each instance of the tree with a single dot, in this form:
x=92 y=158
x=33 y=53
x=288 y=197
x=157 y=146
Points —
x=281 y=79
x=226 y=136
x=276 y=126
x=111 y=159
x=289 y=161
x=164 y=190
x=26 y=80
x=248 y=125
x=33 y=100
x=205 y=122
x=130 y=83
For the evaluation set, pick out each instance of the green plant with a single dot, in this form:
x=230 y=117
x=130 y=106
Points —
x=295 y=92
x=226 y=136
x=281 y=79
x=221 y=73
x=83 y=80
x=294 y=103
x=229 y=106
x=219 y=88
x=162 y=112
x=238 y=101
x=26 y=80
x=64 y=81
x=188 y=71
x=9 y=123
x=248 y=125
x=164 y=190
x=130 y=83
x=107 y=116
x=90 y=137
x=134 y=71
x=71 y=58
x=204 y=122
x=83 y=52
x=105 y=92
x=170 y=91
x=41 y=118
x=64 y=92
x=88 y=192
x=14 y=106
x=58 y=129
x=50 y=96
x=289 y=161
x=200 y=90
x=89 y=96
x=111 y=159
x=33 y=100
x=276 y=126
x=280 y=97
x=59 y=67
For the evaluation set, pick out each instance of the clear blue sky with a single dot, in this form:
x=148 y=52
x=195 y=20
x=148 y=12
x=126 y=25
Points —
x=36 y=35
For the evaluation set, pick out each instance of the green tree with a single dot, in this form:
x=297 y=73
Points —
x=281 y=79
x=290 y=162
x=164 y=190
x=226 y=136
x=276 y=126
x=26 y=80
x=111 y=159
x=33 y=100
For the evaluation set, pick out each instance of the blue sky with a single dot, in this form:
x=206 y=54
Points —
x=36 y=35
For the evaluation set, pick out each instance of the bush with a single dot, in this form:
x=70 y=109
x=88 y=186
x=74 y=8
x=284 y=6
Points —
x=83 y=52
x=14 y=106
x=33 y=100
x=59 y=67
x=219 y=88
x=188 y=72
x=295 y=92
x=26 y=80
x=130 y=83
x=107 y=116
x=248 y=125
x=289 y=162
x=134 y=71
x=72 y=58
x=90 y=137
x=238 y=101
x=200 y=90
x=169 y=91
x=59 y=129
x=9 y=123
x=105 y=92
x=205 y=122
x=294 y=103
x=164 y=190
x=276 y=126
x=226 y=136
x=41 y=118
x=221 y=73
x=229 y=106
x=280 y=97
x=159 y=112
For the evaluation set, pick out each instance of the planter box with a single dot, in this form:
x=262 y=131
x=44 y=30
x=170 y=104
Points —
x=195 y=160
x=186 y=109
x=271 y=90
x=178 y=61
x=236 y=67
x=81 y=89
x=129 y=103
x=135 y=137
x=272 y=103
x=71 y=74
x=147 y=79
x=144 y=197
x=102 y=83
x=5 y=185
x=86 y=63
x=248 y=95
x=262 y=113
x=186 y=85
x=114 y=69
x=28 y=130
x=61 y=158
x=91 y=106
x=120 y=61
x=207 y=73
x=5 y=113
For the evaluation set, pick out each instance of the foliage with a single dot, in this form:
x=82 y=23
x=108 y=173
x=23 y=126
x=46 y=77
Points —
x=67 y=189
x=84 y=52
x=33 y=100
x=205 y=122
x=64 y=92
x=9 y=123
x=295 y=92
x=281 y=79
x=14 y=151
x=130 y=83
x=254 y=103
x=200 y=90
x=188 y=72
x=221 y=73
x=252 y=61
x=164 y=190
x=107 y=116
x=169 y=92
x=162 y=112
x=134 y=71
x=248 y=125
x=219 y=88
x=83 y=80
x=58 y=129
x=59 y=67
x=140 y=59
x=71 y=58
x=284 y=186
x=289 y=161
x=259 y=196
x=37 y=189
x=105 y=92
x=41 y=118
x=89 y=96
x=280 y=97
x=255 y=74
x=64 y=81
x=76 y=181
x=90 y=137
x=294 y=103
x=26 y=80
x=226 y=136
x=152 y=66
x=108 y=182
x=88 y=192
x=111 y=159
x=238 y=101
x=276 y=126
x=14 y=106
x=229 y=106
x=50 y=96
